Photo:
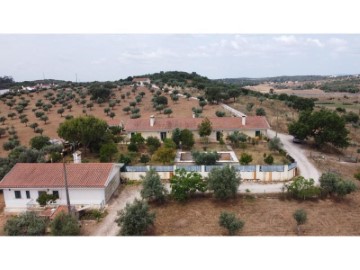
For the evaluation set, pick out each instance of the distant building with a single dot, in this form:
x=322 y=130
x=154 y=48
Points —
x=141 y=81
x=162 y=127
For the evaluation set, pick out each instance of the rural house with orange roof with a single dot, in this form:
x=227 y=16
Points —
x=89 y=184
x=221 y=126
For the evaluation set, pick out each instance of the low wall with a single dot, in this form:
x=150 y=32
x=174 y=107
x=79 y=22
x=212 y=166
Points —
x=264 y=173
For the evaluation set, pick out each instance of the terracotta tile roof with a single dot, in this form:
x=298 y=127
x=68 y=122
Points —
x=140 y=79
x=218 y=123
x=50 y=175
x=113 y=122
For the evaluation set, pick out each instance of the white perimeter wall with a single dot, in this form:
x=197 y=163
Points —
x=260 y=176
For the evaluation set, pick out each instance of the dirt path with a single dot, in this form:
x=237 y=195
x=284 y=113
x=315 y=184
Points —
x=307 y=169
x=108 y=227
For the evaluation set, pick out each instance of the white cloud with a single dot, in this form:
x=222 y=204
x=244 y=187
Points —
x=314 y=41
x=287 y=40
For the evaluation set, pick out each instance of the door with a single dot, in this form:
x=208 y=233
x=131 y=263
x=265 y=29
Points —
x=163 y=135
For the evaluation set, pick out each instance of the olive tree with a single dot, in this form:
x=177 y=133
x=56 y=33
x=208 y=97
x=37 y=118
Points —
x=224 y=182
x=230 y=222
x=300 y=216
x=26 y=224
x=153 y=189
x=135 y=219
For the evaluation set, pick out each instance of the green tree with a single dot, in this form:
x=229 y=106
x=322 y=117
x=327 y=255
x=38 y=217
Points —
x=302 y=188
x=44 y=118
x=34 y=126
x=300 y=217
x=144 y=158
x=137 y=139
x=26 y=224
x=60 y=111
x=39 y=142
x=183 y=184
x=176 y=136
x=245 y=158
x=332 y=183
x=168 y=111
x=153 y=189
x=135 y=219
x=65 y=225
x=205 y=158
x=269 y=159
x=205 y=128
x=220 y=114
x=44 y=198
x=275 y=144
x=230 y=222
x=224 y=182
x=165 y=155
x=260 y=112
x=236 y=138
x=107 y=151
x=187 y=139
x=324 y=126
x=153 y=143
x=87 y=130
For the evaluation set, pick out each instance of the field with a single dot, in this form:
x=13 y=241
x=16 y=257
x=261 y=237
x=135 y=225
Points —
x=181 y=108
x=263 y=216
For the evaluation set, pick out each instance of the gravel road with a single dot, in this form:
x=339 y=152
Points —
x=108 y=227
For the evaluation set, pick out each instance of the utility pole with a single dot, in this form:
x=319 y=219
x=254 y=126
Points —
x=277 y=121
x=66 y=185
x=76 y=77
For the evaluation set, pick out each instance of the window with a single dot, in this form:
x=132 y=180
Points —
x=17 y=194
x=27 y=194
x=41 y=192
x=257 y=133
x=56 y=194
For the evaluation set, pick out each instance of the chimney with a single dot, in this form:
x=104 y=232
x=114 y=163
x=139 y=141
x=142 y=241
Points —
x=77 y=157
x=243 y=120
x=193 y=115
x=152 y=120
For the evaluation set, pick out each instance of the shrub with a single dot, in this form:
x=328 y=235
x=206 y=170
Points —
x=269 y=159
x=220 y=114
x=245 y=158
x=183 y=184
x=153 y=143
x=302 y=188
x=357 y=176
x=107 y=151
x=124 y=159
x=260 y=112
x=224 y=182
x=205 y=158
x=39 y=142
x=144 y=159
x=152 y=189
x=333 y=184
x=25 y=224
x=300 y=217
x=230 y=222
x=165 y=154
x=44 y=198
x=275 y=144
x=135 y=219
x=187 y=139
x=132 y=147
x=65 y=225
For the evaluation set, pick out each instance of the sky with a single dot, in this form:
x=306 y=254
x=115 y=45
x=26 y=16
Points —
x=102 y=57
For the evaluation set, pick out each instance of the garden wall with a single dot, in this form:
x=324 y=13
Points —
x=263 y=173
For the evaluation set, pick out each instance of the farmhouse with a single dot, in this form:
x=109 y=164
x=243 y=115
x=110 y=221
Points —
x=141 y=81
x=162 y=127
x=89 y=184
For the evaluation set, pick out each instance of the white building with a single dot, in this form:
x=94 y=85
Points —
x=89 y=184
x=141 y=81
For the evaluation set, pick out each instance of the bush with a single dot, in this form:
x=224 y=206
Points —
x=275 y=144
x=245 y=158
x=220 y=114
x=107 y=151
x=65 y=225
x=144 y=159
x=260 y=112
x=44 y=198
x=300 y=217
x=152 y=189
x=165 y=154
x=135 y=219
x=132 y=147
x=26 y=224
x=183 y=184
x=39 y=142
x=153 y=143
x=269 y=159
x=224 y=182
x=230 y=222
x=187 y=139
x=205 y=158
x=357 y=176
x=302 y=188
x=126 y=159
x=331 y=183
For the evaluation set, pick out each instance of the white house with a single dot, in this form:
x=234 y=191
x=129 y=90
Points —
x=221 y=126
x=141 y=81
x=89 y=184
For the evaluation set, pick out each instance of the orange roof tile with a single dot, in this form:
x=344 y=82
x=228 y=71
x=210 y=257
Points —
x=218 y=123
x=50 y=175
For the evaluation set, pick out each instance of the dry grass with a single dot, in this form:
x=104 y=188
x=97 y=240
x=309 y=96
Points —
x=263 y=216
x=182 y=108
